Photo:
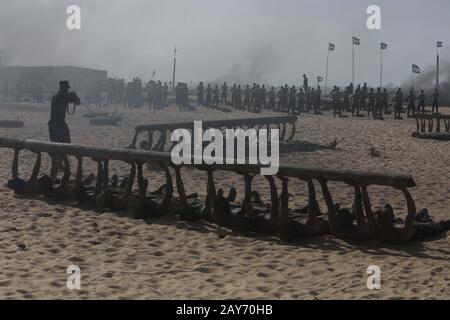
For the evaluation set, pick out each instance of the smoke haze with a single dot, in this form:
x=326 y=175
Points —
x=263 y=41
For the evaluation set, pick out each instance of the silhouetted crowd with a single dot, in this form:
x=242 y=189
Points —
x=375 y=102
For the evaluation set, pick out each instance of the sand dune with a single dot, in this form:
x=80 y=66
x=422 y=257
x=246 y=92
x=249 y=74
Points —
x=121 y=257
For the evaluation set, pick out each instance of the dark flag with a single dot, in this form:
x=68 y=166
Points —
x=415 y=69
x=319 y=79
x=439 y=44
x=356 y=41
x=331 y=47
x=383 y=46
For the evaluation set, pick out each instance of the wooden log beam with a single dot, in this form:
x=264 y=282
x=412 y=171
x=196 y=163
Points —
x=128 y=155
x=229 y=123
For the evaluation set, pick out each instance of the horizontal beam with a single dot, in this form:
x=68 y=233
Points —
x=130 y=155
x=229 y=123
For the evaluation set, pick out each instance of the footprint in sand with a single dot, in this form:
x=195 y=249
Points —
x=76 y=259
x=5 y=283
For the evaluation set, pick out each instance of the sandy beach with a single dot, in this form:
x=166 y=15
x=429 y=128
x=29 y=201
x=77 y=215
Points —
x=124 y=258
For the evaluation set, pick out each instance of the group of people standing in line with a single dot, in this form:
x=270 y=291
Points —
x=291 y=100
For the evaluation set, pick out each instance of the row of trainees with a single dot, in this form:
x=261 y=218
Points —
x=304 y=99
x=360 y=223
x=259 y=97
x=377 y=102
x=154 y=92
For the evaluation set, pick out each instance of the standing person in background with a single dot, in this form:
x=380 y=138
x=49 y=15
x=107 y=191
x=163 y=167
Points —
x=385 y=101
x=208 y=96
x=371 y=107
x=411 y=104
x=356 y=101
x=291 y=100
x=305 y=83
x=435 y=101
x=224 y=96
x=271 y=99
x=200 y=90
x=378 y=104
x=421 y=106
x=363 y=97
x=398 y=104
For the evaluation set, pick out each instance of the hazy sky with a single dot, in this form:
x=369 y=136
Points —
x=271 y=41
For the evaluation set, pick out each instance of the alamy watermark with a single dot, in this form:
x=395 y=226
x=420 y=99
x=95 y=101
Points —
x=374 y=279
x=74 y=278
x=191 y=150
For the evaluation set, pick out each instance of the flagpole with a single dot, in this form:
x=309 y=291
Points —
x=326 y=72
x=412 y=78
x=353 y=61
x=381 y=66
x=437 y=67
x=174 y=68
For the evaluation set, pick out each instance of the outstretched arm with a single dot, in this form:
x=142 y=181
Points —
x=164 y=207
x=247 y=206
x=141 y=182
x=284 y=199
x=15 y=164
x=126 y=196
x=411 y=209
x=36 y=169
x=180 y=187
x=358 y=206
x=79 y=173
x=99 y=181
x=275 y=202
x=313 y=209
x=368 y=208
x=211 y=187
x=328 y=200
x=66 y=176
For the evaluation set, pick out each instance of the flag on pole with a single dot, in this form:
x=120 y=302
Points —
x=319 y=79
x=439 y=44
x=415 y=69
x=383 y=46
x=331 y=47
x=356 y=41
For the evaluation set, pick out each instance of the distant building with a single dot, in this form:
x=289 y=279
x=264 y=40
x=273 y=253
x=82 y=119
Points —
x=37 y=84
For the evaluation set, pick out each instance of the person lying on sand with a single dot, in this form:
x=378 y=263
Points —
x=151 y=207
x=342 y=219
x=415 y=227
x=21 y=186
x=65 y=188
x=251 y=215
x=291 y=227
x=116 y=202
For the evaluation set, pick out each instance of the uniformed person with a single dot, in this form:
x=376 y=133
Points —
x=215 y=97
x=398 y=103
x=411 y=104
x=291 y=100
x=435 y=101
x=371 y=105
x=385 y=101
x=208 y=96
x=356 y=101
x=200 y=90
x=421 y=106
x=271 y=99
x=224 y=96
x=378 y=112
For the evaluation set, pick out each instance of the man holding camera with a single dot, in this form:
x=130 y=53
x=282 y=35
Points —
x=58 y=129
x=57 y=126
